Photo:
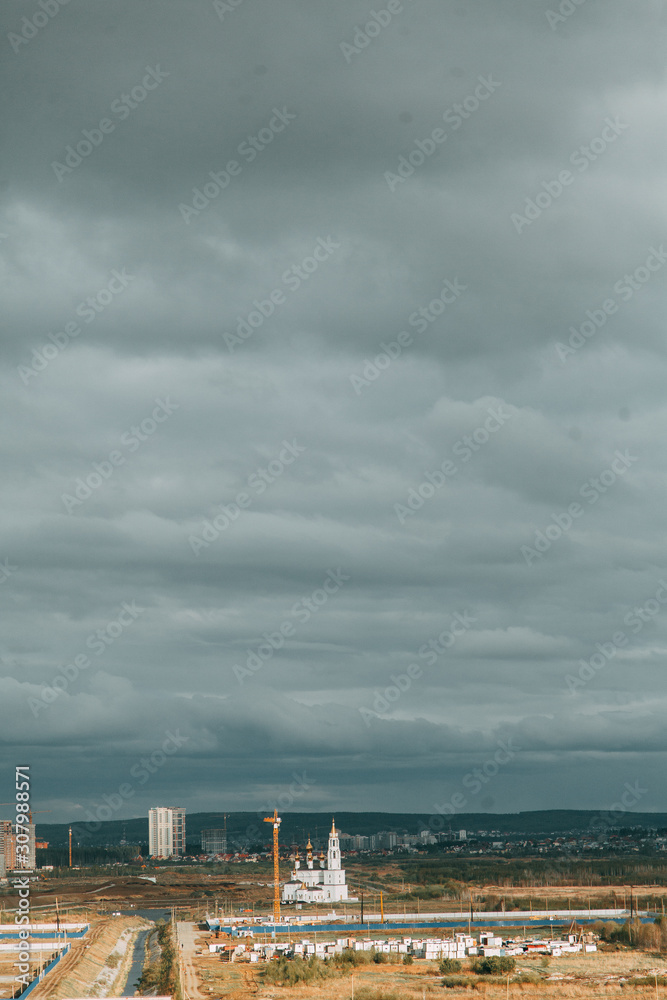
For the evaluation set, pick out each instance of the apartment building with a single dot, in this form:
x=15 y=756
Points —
x=166 y=831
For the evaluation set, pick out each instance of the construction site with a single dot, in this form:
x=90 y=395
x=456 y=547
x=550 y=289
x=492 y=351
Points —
x=189 y=932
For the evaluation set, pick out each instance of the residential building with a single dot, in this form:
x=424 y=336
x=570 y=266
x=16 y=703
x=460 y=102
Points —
x=388 y=839
x=7 y=855
x=31 y=860
x=166 y=831
x=214 y=841
x=10 y=858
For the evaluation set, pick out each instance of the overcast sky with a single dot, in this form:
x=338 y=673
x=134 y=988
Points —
x=397 y=373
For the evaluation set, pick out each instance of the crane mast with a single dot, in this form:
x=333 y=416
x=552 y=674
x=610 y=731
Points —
x=275 y=819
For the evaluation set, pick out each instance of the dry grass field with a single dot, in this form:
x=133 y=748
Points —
x=195 y=892
x=245 y=888
x=594 y=977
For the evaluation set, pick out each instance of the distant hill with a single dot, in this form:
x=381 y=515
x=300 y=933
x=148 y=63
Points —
x=247 y=827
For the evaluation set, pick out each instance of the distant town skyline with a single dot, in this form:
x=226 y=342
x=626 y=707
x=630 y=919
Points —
x=333 y=376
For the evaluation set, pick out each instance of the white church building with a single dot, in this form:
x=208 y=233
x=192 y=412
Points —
x=325 y=884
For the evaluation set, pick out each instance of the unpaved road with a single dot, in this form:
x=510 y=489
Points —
x=186 y=934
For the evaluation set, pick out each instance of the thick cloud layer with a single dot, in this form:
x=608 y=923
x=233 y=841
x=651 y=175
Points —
x=333 y=367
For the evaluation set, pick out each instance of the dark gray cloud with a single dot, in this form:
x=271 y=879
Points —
x=290 y=457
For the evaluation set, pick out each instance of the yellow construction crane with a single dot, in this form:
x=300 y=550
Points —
x=30 y=811
x=275 y=819
x=34 y=812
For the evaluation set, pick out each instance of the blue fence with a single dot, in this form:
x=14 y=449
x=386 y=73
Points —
x=45 y=971
x=44 y=935
x=389 y=926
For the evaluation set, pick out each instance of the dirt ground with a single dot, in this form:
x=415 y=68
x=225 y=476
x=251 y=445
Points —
x=596 y=975
x=195 y=892
x=96 y=894
x=188 y=943
x=7 y=959
x=88 y=962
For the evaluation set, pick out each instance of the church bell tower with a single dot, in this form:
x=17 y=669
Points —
x=333 y=854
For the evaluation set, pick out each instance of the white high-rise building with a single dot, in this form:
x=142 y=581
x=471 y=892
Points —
x=315 y=885
x=166 y=831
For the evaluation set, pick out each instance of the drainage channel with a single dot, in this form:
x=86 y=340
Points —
x=137 y=966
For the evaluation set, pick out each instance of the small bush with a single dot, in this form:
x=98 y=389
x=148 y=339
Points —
x=379 y=957
x=429 y=892
x=288 y=972
x=528 y=977
x=161 y=976
x=408 y=960
x=368 y=993
x=349 y=957
x=648 y=937
x=148 y=981
x=448 y=965
x=454 y=982
x=493 y=965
